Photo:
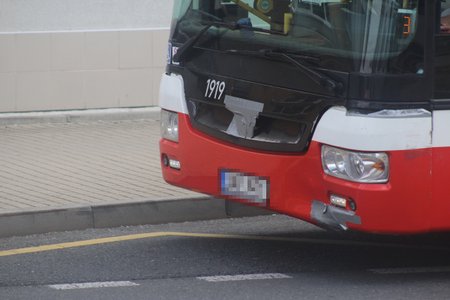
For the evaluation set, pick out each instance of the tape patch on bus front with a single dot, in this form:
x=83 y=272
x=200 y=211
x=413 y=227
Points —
x=248 y=187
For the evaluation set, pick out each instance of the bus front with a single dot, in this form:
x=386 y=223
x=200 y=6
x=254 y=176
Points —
x=313 y=108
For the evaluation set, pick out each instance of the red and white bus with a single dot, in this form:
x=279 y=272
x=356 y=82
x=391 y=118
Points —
x=336 y=112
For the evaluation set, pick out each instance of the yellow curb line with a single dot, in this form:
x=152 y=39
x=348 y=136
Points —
x=131 y=237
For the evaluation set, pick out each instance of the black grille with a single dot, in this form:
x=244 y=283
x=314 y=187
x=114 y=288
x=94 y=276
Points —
x=268 y=129
x=286 y=123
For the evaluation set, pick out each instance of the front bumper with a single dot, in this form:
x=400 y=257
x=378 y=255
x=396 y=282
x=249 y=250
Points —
x=298 y=184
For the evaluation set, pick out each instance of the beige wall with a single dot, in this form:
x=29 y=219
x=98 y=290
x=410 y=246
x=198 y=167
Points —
x=80 y=15
x=80 y=70
x=79 y=54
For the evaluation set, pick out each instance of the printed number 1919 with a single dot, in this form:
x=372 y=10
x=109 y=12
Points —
x=214 y=89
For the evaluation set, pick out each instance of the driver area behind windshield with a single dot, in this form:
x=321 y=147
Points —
x=364 y=36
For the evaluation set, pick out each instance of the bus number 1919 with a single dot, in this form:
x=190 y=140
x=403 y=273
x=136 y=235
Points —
x=214 y=89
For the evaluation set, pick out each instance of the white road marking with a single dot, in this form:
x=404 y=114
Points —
x=92 y=285
x=411 y=270
x=242 y=277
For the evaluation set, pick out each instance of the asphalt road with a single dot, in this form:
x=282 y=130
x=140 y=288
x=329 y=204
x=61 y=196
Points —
x=271 y=257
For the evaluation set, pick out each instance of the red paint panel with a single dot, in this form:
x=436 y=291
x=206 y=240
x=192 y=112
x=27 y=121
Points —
x=440 y=206
x=402 y=206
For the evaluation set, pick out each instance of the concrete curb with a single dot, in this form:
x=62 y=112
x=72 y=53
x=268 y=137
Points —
x=78 y=116
x=129 y=214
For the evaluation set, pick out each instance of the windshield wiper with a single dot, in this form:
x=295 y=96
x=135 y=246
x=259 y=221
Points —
x=240 y=25
x=321 y=79
x=190 y=43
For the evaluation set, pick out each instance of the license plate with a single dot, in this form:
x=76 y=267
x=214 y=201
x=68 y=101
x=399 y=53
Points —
x=243 y=186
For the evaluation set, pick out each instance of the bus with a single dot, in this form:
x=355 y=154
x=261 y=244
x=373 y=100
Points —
x=336 y=112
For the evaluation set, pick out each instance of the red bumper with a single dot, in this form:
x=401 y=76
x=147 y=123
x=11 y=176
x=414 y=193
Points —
x=297 y=180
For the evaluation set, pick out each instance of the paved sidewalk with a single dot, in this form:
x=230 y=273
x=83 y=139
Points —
x=88 y=173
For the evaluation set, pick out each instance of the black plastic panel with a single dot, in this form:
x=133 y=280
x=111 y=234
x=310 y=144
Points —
x=286 y=123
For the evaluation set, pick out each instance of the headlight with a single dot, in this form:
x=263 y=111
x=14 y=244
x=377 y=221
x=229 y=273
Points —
x=355 y=166
x=169 y=125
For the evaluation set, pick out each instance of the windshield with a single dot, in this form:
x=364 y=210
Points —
x=366 y=36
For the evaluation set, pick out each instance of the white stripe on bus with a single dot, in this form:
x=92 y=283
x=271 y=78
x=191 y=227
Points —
x=171 y=93
x=356 y=132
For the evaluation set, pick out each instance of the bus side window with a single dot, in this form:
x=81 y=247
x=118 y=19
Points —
x=442 y=55
x=445 y=17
